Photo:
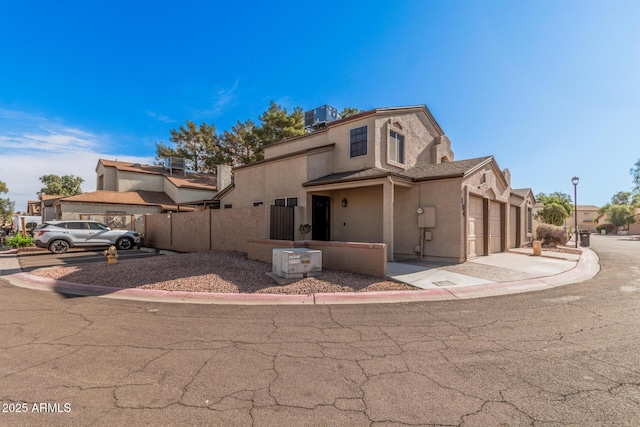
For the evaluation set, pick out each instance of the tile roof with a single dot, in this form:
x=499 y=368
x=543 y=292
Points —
x=418 y=173
x=358 y=175
x=445 y=169
x=140 y=197
x=202 y=181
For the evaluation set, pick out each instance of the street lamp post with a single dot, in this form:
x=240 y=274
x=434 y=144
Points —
x=575 y=181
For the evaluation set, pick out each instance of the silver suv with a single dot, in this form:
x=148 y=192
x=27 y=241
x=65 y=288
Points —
x=59 y=236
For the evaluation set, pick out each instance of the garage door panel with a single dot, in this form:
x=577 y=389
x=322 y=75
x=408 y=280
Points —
x=475 y=227
x=495 y=227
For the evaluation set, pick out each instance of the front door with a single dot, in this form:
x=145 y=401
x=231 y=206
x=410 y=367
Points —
x=320 y=218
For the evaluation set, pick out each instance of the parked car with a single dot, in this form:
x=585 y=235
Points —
x=59 y=236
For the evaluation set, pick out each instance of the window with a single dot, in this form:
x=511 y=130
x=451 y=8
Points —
x=292 y=201
x=358 y=141
x=77 y=226
x=258 y=203
x=396 y=147
x=227 y=206
x=289 y=201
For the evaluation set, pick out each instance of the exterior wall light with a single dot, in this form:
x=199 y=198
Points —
x=344 y=202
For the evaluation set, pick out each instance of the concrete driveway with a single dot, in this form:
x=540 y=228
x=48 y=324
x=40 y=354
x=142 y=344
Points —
x=562 y=356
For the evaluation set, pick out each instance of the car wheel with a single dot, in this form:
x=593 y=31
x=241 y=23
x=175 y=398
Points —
x=59 y=246
x=124 y=244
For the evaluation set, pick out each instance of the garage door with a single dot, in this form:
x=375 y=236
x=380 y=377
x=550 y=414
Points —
x=495 y=227
x=476 y=227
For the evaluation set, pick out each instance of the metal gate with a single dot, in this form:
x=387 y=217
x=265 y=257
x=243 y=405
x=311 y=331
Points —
x=282 y=223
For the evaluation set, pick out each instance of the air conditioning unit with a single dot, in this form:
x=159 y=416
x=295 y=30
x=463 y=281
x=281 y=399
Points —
x=296 y=263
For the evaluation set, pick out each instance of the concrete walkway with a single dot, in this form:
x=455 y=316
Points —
x=498 y=274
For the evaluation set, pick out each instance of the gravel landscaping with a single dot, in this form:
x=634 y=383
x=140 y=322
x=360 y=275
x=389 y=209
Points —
x=215 y=271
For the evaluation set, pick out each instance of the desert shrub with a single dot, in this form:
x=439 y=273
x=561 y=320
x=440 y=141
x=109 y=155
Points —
x=608 y=228
x=19 y=242
x=551 y=235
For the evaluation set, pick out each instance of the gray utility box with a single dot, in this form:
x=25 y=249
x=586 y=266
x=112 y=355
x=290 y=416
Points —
x=297 y=263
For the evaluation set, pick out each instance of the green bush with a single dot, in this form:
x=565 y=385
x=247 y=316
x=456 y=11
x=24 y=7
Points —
x=551 y=235
x=608 y=228
x=19 y=242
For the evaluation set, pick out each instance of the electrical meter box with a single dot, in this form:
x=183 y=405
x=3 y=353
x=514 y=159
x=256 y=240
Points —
x=427 y=217
x=296 y=263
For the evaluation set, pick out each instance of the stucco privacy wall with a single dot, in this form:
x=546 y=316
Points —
x=244 y=230
x=362 y=258
x=212 y=229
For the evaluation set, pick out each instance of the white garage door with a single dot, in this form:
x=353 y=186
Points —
x=475 y=236
x=495 y=228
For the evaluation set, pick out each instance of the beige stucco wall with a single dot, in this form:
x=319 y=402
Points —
x=132 y=181
x=211 y=229
x=419 y=137
x=361 y=220
x=109 y=180
x=185 y=195
x=361 y=258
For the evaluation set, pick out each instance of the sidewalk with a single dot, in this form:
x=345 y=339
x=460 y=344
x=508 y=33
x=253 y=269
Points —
x=516 y=271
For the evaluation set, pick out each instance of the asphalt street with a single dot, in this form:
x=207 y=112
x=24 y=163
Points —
x=559 y=357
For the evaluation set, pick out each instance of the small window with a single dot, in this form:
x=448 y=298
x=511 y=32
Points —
x=258 y=203
x=396 y=147
x=358 y=141
x=227 y=206
x=292 y=201
x=280 y=202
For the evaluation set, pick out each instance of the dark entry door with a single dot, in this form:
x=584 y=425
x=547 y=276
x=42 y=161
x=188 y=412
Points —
x=320 y=216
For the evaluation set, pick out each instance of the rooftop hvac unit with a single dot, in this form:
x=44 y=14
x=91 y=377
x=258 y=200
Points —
x=174 y=163
x=320 y=116
x=297 y=263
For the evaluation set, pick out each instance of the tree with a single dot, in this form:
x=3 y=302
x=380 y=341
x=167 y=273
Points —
x=199 y=146
x=621 y=215
x=635 y=173
x=276 y=124
x=349 y=111
x=6 y=205
x=557 y=208
x=242 y=144
x=621 y=198
x=66 y=185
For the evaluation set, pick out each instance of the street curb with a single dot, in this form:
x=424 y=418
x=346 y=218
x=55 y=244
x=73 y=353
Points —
x=586 y=268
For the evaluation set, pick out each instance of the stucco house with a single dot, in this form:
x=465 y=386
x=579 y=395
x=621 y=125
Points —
x=389 y=176
x=587 y=218
x=126 y=191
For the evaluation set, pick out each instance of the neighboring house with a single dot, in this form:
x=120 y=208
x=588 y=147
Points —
x=388 y=175
x=587 y=218
x=33 y=207
x=126 y=191
x=47 y=208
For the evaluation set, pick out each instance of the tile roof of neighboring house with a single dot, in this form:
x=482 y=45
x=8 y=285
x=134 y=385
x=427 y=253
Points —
x=587 y=208
x=140 y=197
x=203 y=181
x=49 y=199
x=419 y=173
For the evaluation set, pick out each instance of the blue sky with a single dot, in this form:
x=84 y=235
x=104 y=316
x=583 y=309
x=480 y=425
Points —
x=550 y=88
